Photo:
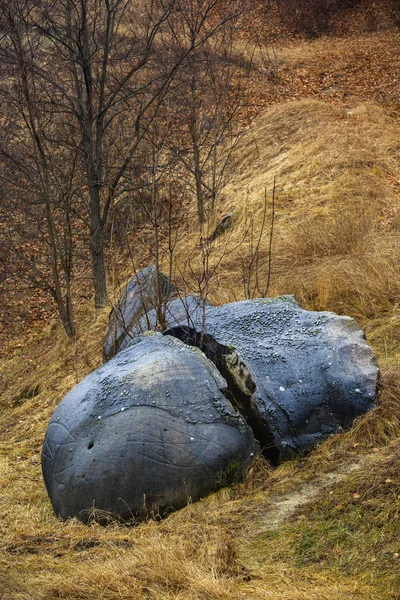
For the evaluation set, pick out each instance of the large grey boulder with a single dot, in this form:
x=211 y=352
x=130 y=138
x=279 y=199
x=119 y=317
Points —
x=188 y=311
x=144 y=292
x=145 y=433
x=297 y=376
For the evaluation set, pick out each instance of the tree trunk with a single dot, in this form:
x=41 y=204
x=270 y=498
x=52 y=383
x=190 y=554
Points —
x=198 y=175
x=68 y=304
x=97 y=250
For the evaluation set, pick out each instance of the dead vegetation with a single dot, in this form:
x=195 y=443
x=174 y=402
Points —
x=336 y=238
x=336 y=246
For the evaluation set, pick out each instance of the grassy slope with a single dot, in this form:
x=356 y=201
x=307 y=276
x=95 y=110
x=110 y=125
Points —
x=336 y=247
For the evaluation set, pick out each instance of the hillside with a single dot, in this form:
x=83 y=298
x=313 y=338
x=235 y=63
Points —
x=323 y=526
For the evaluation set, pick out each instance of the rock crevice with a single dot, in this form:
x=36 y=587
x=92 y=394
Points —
x=296 y=376
x=240 y=386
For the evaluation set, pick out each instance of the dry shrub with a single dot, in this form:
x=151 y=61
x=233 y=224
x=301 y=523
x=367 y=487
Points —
x=368 y=16
x=311 y=17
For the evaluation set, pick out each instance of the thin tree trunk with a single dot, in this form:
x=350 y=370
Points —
x=97 y=250
x=68 y=302
x=198 y=176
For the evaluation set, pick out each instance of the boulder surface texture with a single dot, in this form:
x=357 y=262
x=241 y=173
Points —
x=145 y=433
x=188 y=311
x=297 y=376
x=146 y=290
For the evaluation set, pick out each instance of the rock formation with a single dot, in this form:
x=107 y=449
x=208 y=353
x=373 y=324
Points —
x=169 y=420
x=298 y=376
x=146 y=290
x=144 y=434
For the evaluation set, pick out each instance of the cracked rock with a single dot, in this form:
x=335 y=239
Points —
x=169 y=420
x=297 y=376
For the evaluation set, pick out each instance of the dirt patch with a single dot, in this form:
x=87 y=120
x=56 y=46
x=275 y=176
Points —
x=285 y=506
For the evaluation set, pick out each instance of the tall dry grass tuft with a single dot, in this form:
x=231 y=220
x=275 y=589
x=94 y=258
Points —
x=382 y=424
x=165 y=562
x=337 y=216
x=191 y=555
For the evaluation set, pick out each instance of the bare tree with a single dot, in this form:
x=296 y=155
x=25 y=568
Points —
x=100 y=67
x=37 y=178
x=89 y=78
x=113 y=64
x=212 y=94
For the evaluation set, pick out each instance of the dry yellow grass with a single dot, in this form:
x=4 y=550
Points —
x=215 y=549
x=336 y=247
x=337 y=217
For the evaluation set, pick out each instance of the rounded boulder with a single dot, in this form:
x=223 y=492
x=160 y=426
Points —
x=146 y=433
